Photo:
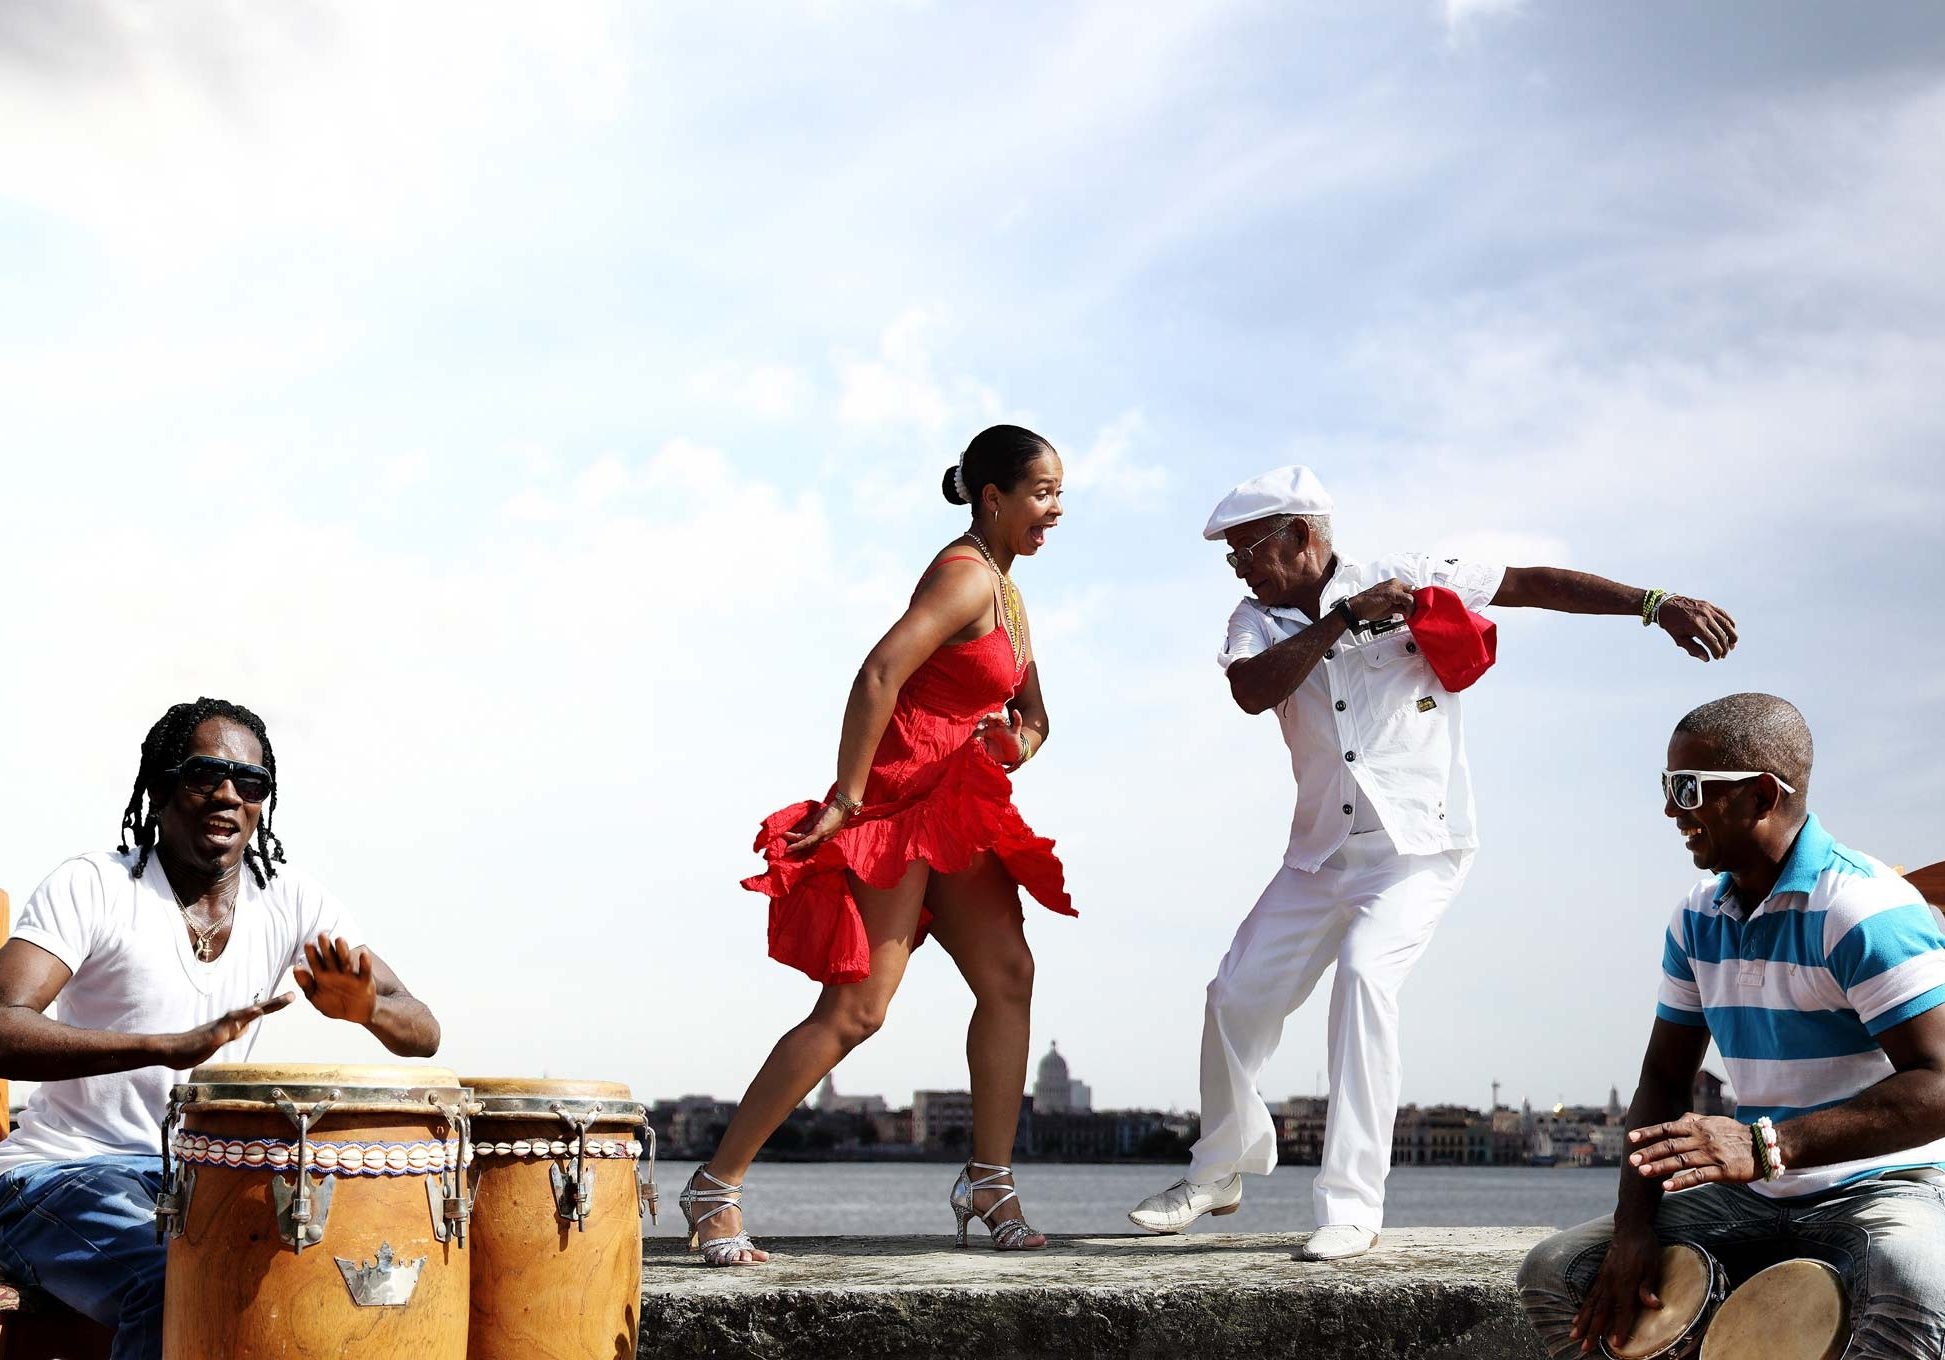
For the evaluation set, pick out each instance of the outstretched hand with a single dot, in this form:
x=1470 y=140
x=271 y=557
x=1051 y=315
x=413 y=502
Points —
x=195 y=1046
x=339 y=980
x=1698 y=627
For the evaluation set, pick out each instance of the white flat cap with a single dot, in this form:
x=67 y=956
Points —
x=1284 y=491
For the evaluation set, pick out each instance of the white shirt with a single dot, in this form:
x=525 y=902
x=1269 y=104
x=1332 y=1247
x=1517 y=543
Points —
x=1371 y=721
x=136 y=972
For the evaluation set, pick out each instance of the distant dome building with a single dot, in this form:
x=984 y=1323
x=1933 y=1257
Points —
x=1054 y=1089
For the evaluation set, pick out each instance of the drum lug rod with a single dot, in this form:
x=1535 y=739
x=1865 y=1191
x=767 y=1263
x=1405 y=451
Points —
x=574 y=1191
x=295 y=1205
x=645 y=1172
x=452 y=1207
x=172 y=1201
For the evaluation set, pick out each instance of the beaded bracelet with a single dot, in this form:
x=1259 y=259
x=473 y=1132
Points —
x=1769 y=1157
x=1651 y=602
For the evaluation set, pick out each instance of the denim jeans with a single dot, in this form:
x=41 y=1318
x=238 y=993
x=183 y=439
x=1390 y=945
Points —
x=1887 y=1237
x=85 y=1233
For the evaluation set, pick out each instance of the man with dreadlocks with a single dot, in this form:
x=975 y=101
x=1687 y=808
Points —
x=161 y=955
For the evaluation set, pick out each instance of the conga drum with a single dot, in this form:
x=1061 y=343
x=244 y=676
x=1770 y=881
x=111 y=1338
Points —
x=561 y=1172
x=314 y=1212
x=1795 y=1310
x=1692 y=1288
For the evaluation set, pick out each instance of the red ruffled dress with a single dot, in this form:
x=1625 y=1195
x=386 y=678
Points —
x=933 y=795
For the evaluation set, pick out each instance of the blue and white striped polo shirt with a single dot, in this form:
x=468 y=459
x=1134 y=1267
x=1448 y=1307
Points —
x=1796 y=992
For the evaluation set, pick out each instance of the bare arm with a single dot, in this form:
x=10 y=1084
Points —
x=953 y=598
x=348 y=982
x=1701 y=629
x=1630 y=1277
x=1261 y=682
x=34 y=1047
x=1905 y=1110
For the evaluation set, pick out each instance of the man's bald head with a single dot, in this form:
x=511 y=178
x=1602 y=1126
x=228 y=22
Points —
x=1755 y=732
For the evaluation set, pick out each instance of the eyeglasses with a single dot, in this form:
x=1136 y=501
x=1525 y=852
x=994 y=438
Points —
x=206 y=774
x=1683 y=788
x=1240 y=558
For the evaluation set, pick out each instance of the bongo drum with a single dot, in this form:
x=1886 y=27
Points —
x=1692 y=1288
x=1795 y=1310
x=560 y=1175
x=314 y=1212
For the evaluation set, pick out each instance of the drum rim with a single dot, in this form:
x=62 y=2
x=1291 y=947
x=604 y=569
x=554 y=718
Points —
x=306 y=1074
x=630 y=1112
x=579 y=1088
x=248 y=1097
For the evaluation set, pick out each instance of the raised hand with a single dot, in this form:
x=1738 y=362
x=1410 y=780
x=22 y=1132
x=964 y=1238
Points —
x=1694 y=1150
x=194 y=1046
x=1698 y=627
x=339 y=980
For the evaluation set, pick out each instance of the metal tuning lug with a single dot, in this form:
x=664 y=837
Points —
x=172 y=1204
x=300 y=1218
x=645 y=1173
x=172 y=1200
x=302 y=1209
x=574 y=1190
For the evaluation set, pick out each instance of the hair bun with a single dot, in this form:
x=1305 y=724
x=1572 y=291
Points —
x=951 y=485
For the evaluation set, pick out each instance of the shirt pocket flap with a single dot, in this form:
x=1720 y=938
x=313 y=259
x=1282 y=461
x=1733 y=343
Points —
x=1389 y=649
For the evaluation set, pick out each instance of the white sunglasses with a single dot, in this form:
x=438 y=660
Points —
x=1683 y=788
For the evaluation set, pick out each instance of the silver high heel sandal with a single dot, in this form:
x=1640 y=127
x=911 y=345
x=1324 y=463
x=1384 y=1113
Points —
x=717 y=1251
x=1009 y=1234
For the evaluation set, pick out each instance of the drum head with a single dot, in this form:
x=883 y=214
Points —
x=321 y=1074
x=1797 y=1310
x=547 y=1086
x=1684 y=1293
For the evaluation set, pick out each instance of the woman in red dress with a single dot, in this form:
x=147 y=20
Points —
x=918 y=837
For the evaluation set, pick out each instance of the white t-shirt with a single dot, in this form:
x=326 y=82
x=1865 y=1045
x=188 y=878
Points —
x=136 y=972
x=1371 y=730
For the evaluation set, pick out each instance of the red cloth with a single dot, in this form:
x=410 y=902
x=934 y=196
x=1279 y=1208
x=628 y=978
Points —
x=933 y=794
x=1460 y=645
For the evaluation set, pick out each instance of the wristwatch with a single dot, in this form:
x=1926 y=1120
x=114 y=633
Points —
x=1343 y=611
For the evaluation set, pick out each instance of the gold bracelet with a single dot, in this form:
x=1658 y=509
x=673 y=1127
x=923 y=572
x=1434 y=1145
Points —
x=848 y=806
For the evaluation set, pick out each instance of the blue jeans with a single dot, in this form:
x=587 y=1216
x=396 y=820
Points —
x=85 y=1233
x=1886 y=1236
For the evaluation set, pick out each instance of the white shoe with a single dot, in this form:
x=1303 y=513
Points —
x=1184 y=1202
x=1335 y=1241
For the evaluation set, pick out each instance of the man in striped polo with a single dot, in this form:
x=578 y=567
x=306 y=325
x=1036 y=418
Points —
x=1820 y=974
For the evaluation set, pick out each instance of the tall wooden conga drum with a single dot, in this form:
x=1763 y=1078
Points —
x=314 y=1212
x=561 y=1172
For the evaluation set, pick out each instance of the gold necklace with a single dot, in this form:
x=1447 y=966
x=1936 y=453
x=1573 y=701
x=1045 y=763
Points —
x=1009 y=601
x=205 y=948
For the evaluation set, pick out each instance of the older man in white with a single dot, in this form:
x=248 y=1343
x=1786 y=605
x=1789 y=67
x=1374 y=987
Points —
x=1380 y=842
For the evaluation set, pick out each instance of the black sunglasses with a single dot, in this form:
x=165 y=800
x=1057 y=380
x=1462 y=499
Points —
x=206 y=774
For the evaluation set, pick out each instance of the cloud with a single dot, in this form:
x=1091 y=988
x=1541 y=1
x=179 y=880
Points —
x=774 y=392
x=1459 y=13
x=899 y=390
x=174 y=133
x=1107 y=468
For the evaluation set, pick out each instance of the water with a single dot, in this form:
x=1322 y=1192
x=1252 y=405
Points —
x=790 y=1199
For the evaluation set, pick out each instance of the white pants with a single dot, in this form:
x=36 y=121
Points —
x=1371 y=911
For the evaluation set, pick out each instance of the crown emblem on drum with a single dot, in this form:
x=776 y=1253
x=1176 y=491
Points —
x=385 y=1282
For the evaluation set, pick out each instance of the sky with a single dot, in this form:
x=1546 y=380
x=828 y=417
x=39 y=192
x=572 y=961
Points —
x=536 y=412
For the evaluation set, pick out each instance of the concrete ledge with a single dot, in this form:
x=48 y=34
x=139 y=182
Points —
x=1425 y=1293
